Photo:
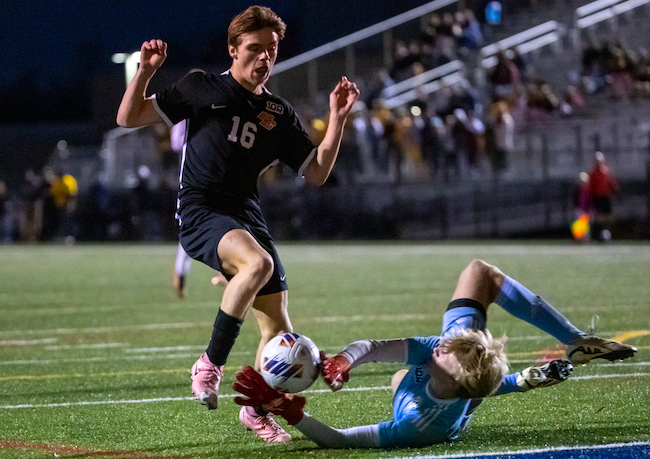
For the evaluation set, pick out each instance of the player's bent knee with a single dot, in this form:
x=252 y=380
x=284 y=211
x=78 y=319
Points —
x=260 y=268
x=481 y=270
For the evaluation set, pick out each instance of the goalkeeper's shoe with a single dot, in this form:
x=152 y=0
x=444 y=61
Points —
x=264 y=427
x=206 y=377
x=546 y=375
x=592 y=347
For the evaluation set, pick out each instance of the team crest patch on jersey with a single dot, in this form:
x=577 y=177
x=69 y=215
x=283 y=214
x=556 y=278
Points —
x=267 y=121
x=274 y=107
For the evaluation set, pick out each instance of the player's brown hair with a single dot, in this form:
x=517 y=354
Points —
x=253 y=19
x=482 y=359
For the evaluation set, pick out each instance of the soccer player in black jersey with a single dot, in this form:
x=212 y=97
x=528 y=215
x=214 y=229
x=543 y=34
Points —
x=235 y=130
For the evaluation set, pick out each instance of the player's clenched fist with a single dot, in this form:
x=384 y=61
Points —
x=152 y=54
x=335 y=372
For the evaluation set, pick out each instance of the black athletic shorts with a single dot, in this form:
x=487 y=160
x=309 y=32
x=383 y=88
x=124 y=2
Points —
x=203 y=227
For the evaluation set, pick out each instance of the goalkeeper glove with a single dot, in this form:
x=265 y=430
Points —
x=260 y=395
x=335 y=372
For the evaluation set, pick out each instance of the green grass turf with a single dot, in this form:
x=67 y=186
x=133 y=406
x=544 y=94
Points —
x=98 y=323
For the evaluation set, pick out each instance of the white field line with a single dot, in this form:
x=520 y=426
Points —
x=117 y=328
x=85 y=346
x=74 y=331
x=115 y=358
x=22 y=342
x=498 y=454
x=165 y=349
x=173 y=399
x=83 y=309
x=316 y=391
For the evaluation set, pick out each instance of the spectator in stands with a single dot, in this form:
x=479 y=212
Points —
x=642 y=74
x=376 y=85
x=468 y=133
x=493 y=12
x=452 y=152
x=543 y=104
x=603 y=186
x=31 y=215
x=405 y=58
x=6 y=215
x=98 y=212
x=471 y=36
x=146 y=204
x=60 y=204
x=572 y=100
x=478 y=162
x=431 y=136
x=410 y=126
x=500 y=133
x=429 y=32
x=520 y=62
x=593 y=69
x=449 y=31
x=504 y=76
x=620 y=68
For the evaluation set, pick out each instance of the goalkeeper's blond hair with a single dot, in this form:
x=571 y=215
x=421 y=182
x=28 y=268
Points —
x=482 y=358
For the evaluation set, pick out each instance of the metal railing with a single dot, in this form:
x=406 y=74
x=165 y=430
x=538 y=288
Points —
x=602 y=10
x=383 y=29
x=525 y=42
x=420 y=85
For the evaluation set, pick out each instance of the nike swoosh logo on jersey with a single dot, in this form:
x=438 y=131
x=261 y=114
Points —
x=215 y=106
x=282 y=278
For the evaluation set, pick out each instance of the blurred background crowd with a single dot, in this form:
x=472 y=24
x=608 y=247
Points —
x=478 y=128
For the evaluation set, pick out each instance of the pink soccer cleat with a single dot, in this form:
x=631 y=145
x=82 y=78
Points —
x=205 y=381
x=264 y=426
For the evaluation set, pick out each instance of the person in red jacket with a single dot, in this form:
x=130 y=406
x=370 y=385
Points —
x=603 y=186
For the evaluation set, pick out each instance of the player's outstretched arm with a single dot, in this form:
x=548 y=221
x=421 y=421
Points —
x=259 y=394
x=335 y=369
x=136 y=109
x=342 y=98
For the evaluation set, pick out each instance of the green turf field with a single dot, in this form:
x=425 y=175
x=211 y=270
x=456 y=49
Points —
x=95 y=348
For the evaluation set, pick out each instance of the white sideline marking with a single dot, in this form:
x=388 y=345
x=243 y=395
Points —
x=315 y=391
x=358 y=318
x=606 y=376
x=498 y=454
x=22 y=342
x=166 y=349
x=111 y=359
x=86 y=346
x=97 y=359
x=66 y=331
x=171 y=399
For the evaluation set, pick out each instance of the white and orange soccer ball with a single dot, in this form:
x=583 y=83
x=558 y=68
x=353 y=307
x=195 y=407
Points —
x=290 y=362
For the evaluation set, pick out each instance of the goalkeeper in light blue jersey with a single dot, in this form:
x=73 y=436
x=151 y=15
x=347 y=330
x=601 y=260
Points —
x=449 y=375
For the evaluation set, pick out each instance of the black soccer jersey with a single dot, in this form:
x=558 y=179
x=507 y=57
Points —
x=232 y=136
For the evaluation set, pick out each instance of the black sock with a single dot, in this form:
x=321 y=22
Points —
x=225 y=332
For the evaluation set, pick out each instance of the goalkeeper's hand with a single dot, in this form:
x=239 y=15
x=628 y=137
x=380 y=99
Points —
x=260 y=395
x=335 y=371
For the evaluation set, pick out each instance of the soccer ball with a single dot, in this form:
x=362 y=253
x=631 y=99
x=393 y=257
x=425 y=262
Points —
x=290 y=362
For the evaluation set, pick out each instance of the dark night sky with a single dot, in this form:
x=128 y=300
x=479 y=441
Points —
x=57 y=41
